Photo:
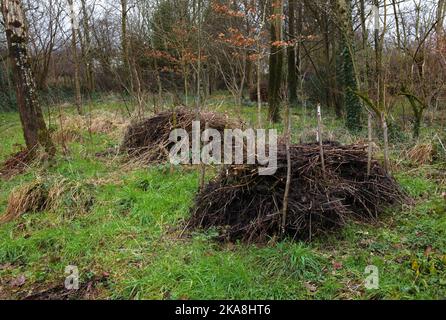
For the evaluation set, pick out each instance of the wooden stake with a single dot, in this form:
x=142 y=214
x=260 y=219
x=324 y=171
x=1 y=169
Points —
x=319 y=134
x=202 y=165
x=386 y=143
x=288 y=175
x=370 y=148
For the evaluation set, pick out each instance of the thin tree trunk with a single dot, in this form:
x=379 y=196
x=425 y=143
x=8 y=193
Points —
x=441 y=12
x=292 y=74
x=365 y=39
x=88 y=61
x=397 y=24
x=198 y=98
x=275 y=62
x=125 y=48
x=77 y=83
x=378 y=60
x=298 y=66
x=259 y=90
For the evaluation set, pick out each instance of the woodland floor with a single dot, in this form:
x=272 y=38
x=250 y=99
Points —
x=128 y=245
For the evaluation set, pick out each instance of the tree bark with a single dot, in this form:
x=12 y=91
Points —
x=77 y=81
x=31 y=116
x=292 y=72
x=275 y=62
x=88 y=59
x=349 y=76
x=125 y=48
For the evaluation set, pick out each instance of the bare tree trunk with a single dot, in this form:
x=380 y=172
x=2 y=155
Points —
x=365 y=39
x=198 y=98
x=292 y=74
x=379 y=74
x=275 y=62
x=186 y=80
x=441 y=12
x=31 y=116
x=397 y=24
x=298 y=67
x=77 y=82
x=259 y=89
x=378 y=60
x=88 y=61
x=125 y=48
x=330 y=51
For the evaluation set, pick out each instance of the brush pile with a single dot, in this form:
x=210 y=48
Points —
x=245 y=206
x=149 y=139
x=15 y=164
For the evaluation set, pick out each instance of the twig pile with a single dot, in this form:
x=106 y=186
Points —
x=16 y=164
x=149 y=138
x=246 y=206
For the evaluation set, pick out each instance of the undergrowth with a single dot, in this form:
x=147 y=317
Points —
x=133 y=231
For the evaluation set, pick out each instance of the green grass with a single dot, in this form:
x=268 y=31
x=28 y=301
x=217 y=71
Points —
x=132 y=233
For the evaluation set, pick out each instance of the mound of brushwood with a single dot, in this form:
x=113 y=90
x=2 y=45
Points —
x=49 y=194
x=149 y=138
x=16 y=164
x=245 y=206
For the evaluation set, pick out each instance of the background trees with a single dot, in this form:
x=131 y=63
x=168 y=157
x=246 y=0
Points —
x=148 y=50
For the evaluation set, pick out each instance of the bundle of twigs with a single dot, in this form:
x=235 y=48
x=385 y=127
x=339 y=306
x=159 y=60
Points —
x=149 y=138
x=246 y=206
x=16 y=164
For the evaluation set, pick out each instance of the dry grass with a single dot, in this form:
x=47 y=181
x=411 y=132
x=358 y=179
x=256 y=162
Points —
x=31 y=197
x=63 y=136
x=73 y=197
x=108 y=123
x=100 y=122
x=422 y=153
x=50 y=194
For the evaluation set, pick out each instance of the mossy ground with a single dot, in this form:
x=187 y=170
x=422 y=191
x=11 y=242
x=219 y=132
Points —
x=132 y=232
